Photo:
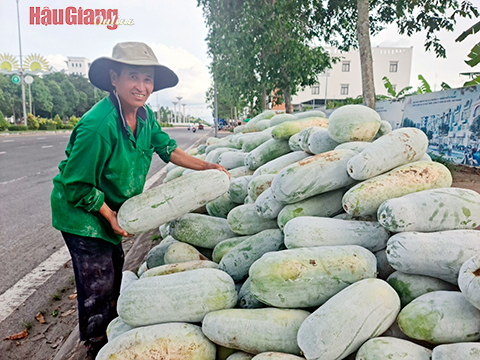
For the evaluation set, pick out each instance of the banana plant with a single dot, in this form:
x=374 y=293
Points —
x=396 y=95
x=474 y=55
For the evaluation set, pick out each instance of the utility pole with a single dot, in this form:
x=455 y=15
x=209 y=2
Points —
x=179 y=110
x=175 y=111
x=215 y=121
x=21 y=68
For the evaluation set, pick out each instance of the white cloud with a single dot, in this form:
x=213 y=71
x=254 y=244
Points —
x=194 y=80
x=58 y=61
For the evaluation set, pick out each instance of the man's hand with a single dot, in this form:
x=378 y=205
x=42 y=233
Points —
x=111 y=217
x=218 y=167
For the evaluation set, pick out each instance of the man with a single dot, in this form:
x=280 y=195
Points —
x=108 y=158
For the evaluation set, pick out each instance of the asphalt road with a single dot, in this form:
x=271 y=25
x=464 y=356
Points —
x=27 y=166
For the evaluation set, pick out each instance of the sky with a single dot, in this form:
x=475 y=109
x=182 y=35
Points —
x=176 y=32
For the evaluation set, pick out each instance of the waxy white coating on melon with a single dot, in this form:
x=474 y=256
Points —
x=169 y=201
x=309 y=231
x=308 y=277
x=293 y=142
x=305 y=135
x=262 y=125
x=179 y=252
x=266 y=206
x=175 y=341
x=274 y=166
x=240 y=355
x=214 y=156
x=221 y=206
x=356 y=146
x=440 y=317
x=266 y=152
x=127 y=278
x=156 y=255
x=259 y=184
x=431 y=210
x=223 y=144
x=246 y=300
x=232 y=159
x=289 y=128
x=256 y=140
x=225 y=246
x=464 y=351
x=366 y=197
x=179 y=267
x=309 y=113
x=382 y=348
x=239 y=172
x=174 y=173
x=320 y=142
x=238 y=189
x=397 y=148
x=339 y=327
x=411 y=286
x=244 y=220
x=469 y=280
x=438 y=254
x=312 y=176
x=353 y=123
x=276 y=356
x=200 y=230
x=185 y=296
x=238 y=260
x=116 y=327
x=164 y=230
x=323 y=205
x=255 y=330
x=278 y=119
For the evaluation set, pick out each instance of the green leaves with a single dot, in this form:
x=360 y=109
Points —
x=474 y=56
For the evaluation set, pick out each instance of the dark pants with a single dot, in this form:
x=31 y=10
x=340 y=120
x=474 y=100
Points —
x=97 y=265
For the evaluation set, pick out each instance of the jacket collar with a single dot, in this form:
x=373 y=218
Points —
x=141 y=112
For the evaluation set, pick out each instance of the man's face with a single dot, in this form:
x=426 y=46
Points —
x=134 y=84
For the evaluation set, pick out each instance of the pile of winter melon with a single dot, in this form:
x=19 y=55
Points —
x=333 y=239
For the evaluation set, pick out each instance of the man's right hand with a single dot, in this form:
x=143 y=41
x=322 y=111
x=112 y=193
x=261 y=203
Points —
x=111 y=217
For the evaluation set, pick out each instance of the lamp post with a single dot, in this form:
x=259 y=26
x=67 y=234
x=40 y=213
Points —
x=175 y=111
x=21 y=68
x=184 y=112
x=179 y=110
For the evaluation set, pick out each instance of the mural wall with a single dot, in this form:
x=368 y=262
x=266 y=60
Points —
x=451 y=120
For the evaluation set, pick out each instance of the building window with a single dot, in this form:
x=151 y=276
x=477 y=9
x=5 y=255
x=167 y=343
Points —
x=344 y=89
x=316 y=89
x=393 y=66
x=346 y=66
x=80 y=65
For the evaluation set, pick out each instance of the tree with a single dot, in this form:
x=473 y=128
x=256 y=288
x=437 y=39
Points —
x=42 y=99
x=58 y=98
x=71 y=94
x=395 y=95
x=474 y=54
x=344 y=23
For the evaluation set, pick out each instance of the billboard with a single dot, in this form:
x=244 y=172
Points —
x=391 y=111
x=451 y=120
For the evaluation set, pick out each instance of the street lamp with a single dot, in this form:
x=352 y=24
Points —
x=175 y=111
x=21 y=68
x=179 y=98
x=184 y=112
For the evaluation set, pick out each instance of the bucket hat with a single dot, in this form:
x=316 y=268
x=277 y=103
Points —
x=130 y=53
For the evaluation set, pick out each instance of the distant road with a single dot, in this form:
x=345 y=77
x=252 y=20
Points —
x=28 y=164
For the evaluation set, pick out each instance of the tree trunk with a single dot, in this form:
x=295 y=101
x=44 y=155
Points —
x=264 y=98
x=288 y=101
x=363 y=36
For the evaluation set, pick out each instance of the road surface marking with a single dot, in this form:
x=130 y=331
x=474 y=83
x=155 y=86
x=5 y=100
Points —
x=8 y=140
x=2 y=152
x=13 y=180
x=40 y=138
x=47 y=146
x=21 y=291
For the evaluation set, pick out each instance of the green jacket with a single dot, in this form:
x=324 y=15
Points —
x=105 y=163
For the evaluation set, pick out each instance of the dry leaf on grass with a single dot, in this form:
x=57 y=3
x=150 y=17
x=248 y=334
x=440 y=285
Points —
x=21 y=335
x=40 y=318
x=71 y=297
x=69 y=312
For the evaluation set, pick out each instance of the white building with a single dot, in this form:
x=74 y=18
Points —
x=344 y=80
x=78 y=66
